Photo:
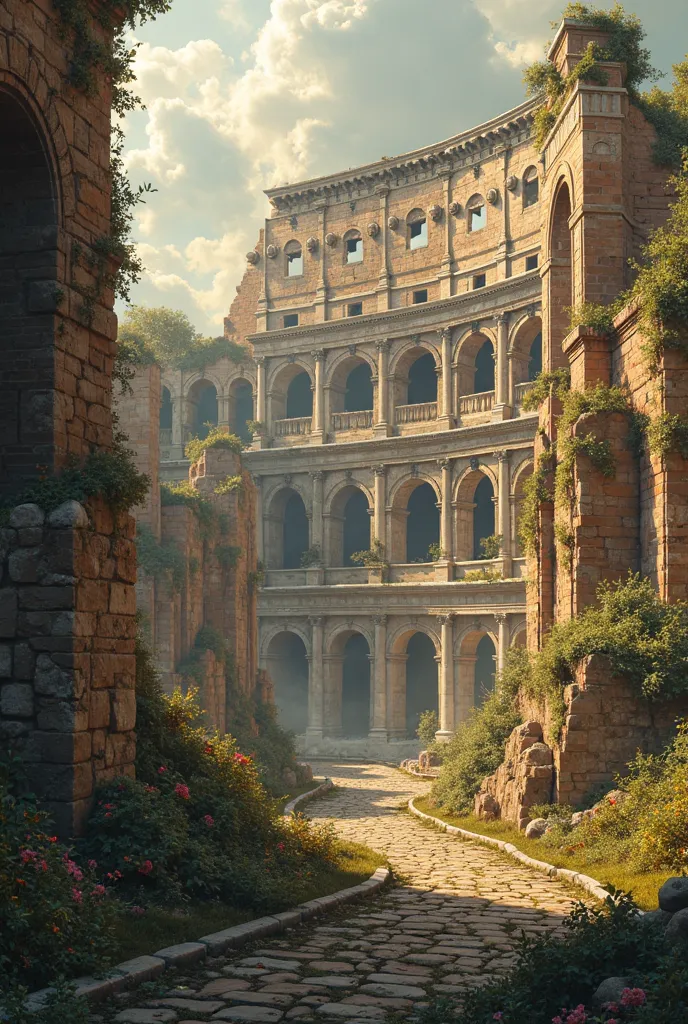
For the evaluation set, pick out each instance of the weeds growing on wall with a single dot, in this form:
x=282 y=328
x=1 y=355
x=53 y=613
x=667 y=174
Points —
x=162 y=561
x=201 y=507
x=535 y=493
x=547 y=385
x=218 y=437
x=477 y=747
x=372 y=558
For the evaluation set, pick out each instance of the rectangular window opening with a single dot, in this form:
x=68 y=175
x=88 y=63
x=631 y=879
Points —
x=291 y=319
x=477 y=218
x=420 y=296
x=479 y=281
x=354 y=309
x=294 y=264
x=418 y=234
x=354 y=250
x=531 y=262
x=530 y=192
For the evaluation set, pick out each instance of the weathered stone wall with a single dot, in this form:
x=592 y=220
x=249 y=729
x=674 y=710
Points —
x=67 y=622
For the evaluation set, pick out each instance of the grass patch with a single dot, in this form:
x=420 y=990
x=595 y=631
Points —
x=307 y=787
x=159 y=927
x=643 y=885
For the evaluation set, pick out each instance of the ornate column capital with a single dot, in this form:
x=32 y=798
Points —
x=445 y=619
x=318 y=354
x=500 y=456
x=317 y=474
x=316 y=621
x=382 y=346
x=380 y=470
x=260 y=360
x=444 y=463
x=380 y=620
x=502 y=319
x=500 y=618
x=445 y=334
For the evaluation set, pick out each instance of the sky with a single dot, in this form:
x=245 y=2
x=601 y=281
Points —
x=242 y=95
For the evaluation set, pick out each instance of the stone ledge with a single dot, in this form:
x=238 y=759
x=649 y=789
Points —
x=591 y=885
x=320 y=790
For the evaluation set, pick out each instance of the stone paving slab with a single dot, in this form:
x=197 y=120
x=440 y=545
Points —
x=451 y=926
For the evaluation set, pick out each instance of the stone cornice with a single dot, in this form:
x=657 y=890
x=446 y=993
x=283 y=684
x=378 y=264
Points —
x=479 y=440
x=468 y=147
x=510 y=295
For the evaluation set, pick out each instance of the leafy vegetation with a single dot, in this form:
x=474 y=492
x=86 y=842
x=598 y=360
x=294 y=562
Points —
x=163 y=561
x=491 y=547
x=310 y=557
x=428 y=724
x=535 y=493
x=546 y=385
x=218 y=437
x=184 y=494
x=167 y=336
x=477 y=747
x=373 y=558
x=230 y=484
x=486 y=575
x=667 y=433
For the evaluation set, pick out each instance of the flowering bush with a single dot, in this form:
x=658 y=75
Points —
x=56 y=918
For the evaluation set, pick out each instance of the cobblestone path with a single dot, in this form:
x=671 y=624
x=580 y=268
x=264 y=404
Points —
x=449 y=926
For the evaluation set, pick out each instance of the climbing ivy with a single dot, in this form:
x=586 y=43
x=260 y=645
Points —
x=546 y=385
x=184 y=494
x=535 y=493
x=597 y=399
x=163 y=561
x=218 y=437
x=667 y=433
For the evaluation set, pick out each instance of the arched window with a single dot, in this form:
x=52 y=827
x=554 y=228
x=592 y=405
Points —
x=476 y=213
x=202 y=413
x=483 y=515
x=356 y=687
x=165 y=409
x=484 y=679
x=531 y=187
x=416 y=230
x=359 y=389
x=484 y=369
x=422 y=380
x=240 y=408
x=294 y=532
x=353 y=246
x=299 y=397
x=422 y=524
x=421 y=680
x=293 y=255
x=535 y=357
x=356 y=526
x=288 y=667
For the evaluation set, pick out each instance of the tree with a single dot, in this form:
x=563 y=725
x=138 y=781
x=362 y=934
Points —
x=158 y=333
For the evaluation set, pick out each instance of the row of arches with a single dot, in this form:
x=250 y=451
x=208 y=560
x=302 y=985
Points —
x=415 y=513
x=201 y=412
x=348 y=697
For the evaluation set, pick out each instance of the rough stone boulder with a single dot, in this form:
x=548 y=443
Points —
x=427 y=759
x=673 y=895
x=524 y=778
x=537 y=828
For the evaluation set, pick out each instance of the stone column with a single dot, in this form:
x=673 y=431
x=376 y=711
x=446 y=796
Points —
x=260 y=542
x=178 y=420
x=380 y=499
x=314 y=730
x=501 y=409
x=446 y=728
x=502 y=621
x=382 y=424
x=379 y=729
x=318 y=428
x=504 y=511
x=396 y=711
x=317 y=516
x=383 y=283
x=447 y=416
x=321 y=290
x=446 y=268
x=261 y=401
x=446 y=520
x=332 y=714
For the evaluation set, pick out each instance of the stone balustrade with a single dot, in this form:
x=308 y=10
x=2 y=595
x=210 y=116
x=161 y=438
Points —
x=422 y=412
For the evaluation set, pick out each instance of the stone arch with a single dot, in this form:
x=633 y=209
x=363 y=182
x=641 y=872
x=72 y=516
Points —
x=31 y=218
x=525 y=349
x=165 y=409
x=414 y=651
x=476 y=213
x=287 y=528
x=281 y=401
x=201 y=406
x=470 y=349
x=287 y=661
x=293 y=258
x=416 y=229
x=348 y=523
x=353 y=246
x=530 y=187
x=560 y=290
x=348 y=689
x=518 y=634
x=475 y=518
x=240 y=406
x=350 y=383
x=400 y=497
x=523 y=471
x=475 y=655
x=415 y=386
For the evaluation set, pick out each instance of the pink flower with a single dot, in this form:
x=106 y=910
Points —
x=43 y=865
x=77 y=895
x=280 y=847
x=27 y=856
x=93 y=864
x=182 y=790
x=162 y=769
x=498 y=1015
x=242 y=759
x=633 y=997
x=73 y=869
x=138 y=911
x=146 y=867
x=98 y=890
x=209 y=820
x=151 y=789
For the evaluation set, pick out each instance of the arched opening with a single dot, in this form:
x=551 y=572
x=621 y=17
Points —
x=561 y=278
x=288 y=667
x=240 y=408
x=535 y=357
x=294 y=531
x=484 y=379
x=421 y=680
x=356 y=687
x=28 y=268
x=201 y=408
x=525 y=355
x=293 y=259
x=476 y=214
x=475 y=514
x=484 y=672
x=353 y=246
x=422 y=524
x=422 y=380
x=517 y=505
x=358 y=396
x=299 y=397
x=348 y=524
x=165 y=409
x=531 y=187
x=416 y=230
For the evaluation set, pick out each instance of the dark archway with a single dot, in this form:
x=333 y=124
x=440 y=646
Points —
x=358 y=396
x=241 y=408
x=28 y=297
x=422 y=524
x=483 y=514
x=561 y=278
x=294 y=532
x=356 y=526
x=356 y=687
x=484 y=379
x=202 y=408
x=535 y=357
x=299 y=397
x=288 y=667
x=422 y=380
x=165 y=409
x=421 y=680
x=484 y=681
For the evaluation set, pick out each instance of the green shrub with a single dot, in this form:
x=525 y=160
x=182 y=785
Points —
x=228 y=555
x=230 y=484
x=428 y=724
x=477 y=747
x=312 y=556
x=56 y=916
x=491 y=547
x=184 y=494
x=218 y=437
x=62 y=1006
x=373 y=558
x=555 y=384
x=163 y=561
x=486 y=575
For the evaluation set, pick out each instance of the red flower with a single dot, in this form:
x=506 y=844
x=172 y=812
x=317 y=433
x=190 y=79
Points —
x=98 y=890
x=77 y=895
x=146 y=867
x=209 y=820
x=162 y=769
x=633 y=997
x=182 y=790
x=93 y=864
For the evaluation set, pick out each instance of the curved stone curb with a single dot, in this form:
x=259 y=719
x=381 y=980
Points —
x=591 y=885
x=144 y=968
x=320 y=790
x=417 y=775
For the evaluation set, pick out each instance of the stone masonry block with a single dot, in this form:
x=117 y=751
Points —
x=16 y=700
x=8 y=612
